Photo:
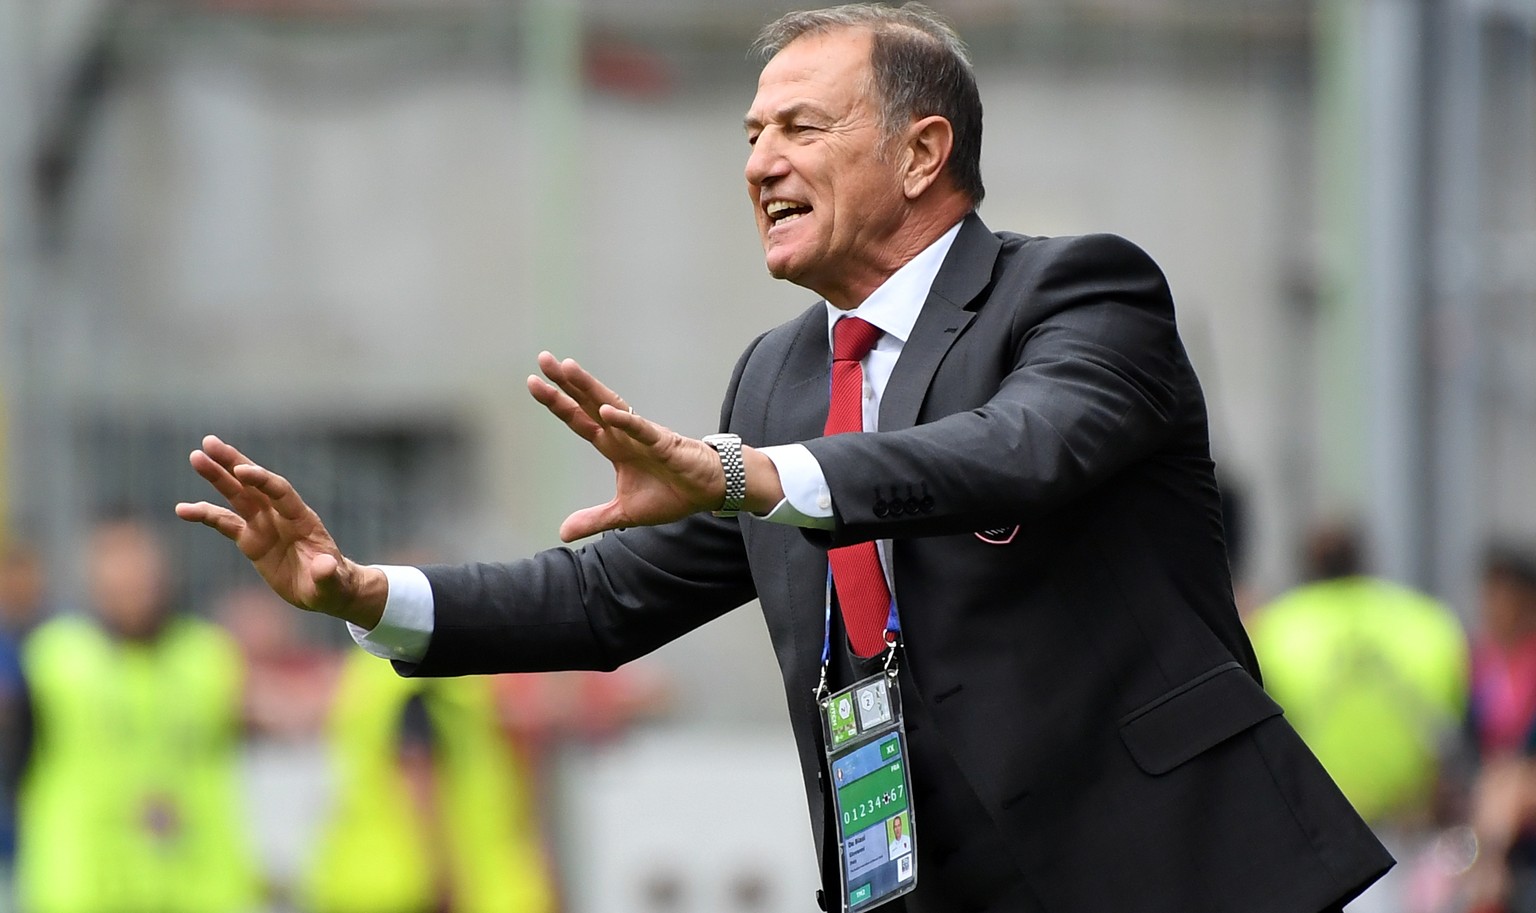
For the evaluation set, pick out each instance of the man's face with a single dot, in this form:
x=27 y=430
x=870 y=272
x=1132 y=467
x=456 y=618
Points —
x=21 y=586
x=127 y=574
x=896 y=828
x=826 y=203
x=1508 y=610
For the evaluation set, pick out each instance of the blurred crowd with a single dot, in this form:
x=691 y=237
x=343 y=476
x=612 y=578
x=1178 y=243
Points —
x=132 y=725
x=128 y=726
x=1427 y=723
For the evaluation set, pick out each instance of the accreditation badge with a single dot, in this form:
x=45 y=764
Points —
x=866 y=751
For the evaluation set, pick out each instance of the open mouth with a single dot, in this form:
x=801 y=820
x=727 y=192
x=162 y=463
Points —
x=781 y=212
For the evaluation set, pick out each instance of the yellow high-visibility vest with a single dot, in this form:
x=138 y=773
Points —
x=376 y=854
x=131 y=802
x=1373 y=676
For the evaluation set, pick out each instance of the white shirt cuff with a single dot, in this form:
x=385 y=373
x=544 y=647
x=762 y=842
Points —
x=405 y=628
x=807 y=499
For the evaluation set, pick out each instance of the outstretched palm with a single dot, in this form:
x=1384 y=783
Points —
x=659 y=475
x=273 y=527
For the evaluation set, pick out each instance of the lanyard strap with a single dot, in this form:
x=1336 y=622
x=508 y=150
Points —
x=892 y=635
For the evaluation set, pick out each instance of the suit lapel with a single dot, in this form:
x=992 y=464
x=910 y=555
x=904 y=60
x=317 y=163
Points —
x=966 y=272
x=803 y=382
x=799 y=413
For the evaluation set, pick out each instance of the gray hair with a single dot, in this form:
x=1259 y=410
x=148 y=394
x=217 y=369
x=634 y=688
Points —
x=920 y=68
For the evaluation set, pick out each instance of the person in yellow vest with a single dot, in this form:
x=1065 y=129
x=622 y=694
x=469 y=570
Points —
x=130 y=803
x=431 y=809
x=1374 y=677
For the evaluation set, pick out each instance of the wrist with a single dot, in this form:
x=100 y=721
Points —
x=764 y=488
x=733 y=473
x=366 y=606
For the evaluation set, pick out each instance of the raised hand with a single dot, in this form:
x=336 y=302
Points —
x=283 y=538
x=659 y=475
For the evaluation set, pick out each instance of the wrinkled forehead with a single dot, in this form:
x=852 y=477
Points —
x=832 y=65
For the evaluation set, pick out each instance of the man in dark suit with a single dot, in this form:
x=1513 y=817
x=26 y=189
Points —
x=1086 y=728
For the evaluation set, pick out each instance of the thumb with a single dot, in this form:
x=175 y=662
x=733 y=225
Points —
x=325 y=574
x=324 y=569
x=590 y=521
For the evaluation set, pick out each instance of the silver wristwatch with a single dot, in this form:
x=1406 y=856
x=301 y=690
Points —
x=729 y=448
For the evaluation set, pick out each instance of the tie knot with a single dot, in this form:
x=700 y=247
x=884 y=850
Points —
x=852 y=338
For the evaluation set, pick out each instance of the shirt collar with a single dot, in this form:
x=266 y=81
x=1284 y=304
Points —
x=894 y=306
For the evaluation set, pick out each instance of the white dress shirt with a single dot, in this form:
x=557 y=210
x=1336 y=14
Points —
x=406 y=626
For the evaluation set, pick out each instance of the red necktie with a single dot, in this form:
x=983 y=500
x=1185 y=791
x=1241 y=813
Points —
x=861 y=591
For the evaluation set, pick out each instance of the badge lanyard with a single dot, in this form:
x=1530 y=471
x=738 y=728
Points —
x=892 y=636
x=867 y=764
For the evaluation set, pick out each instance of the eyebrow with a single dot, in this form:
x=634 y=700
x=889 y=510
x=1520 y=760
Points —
x=788 y=113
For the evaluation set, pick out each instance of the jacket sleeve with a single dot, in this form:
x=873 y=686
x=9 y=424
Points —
x=1096 y=379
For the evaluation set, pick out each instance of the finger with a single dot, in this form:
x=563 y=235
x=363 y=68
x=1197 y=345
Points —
x=642 y=430
x=591 y=388
x=216 y=462
x=560 y=374
x=222 y=453
x=225 y=521
x=285 y=500
x=563 y=407
x=218 y=476
x=579 y=384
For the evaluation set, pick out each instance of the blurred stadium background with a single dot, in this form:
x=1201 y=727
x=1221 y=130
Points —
x=337 y=232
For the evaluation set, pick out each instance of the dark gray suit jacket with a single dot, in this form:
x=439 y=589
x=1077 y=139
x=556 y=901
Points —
x=1090 y=675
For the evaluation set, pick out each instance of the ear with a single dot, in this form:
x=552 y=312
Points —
x=929 y=141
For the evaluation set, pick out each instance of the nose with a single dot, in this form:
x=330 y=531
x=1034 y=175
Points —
x=765 y=162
